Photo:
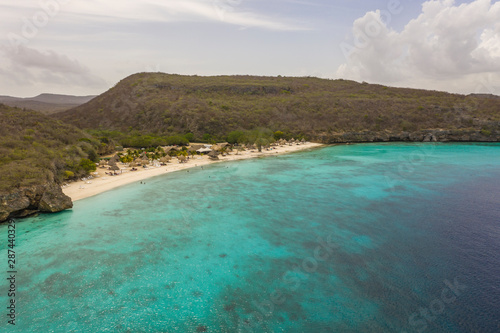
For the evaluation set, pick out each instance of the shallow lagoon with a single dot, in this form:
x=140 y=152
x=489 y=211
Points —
x=354 y=238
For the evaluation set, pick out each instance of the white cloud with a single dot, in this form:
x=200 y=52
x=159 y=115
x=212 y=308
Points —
x=447 y=47
x=40 y=39
x=25 y=66
x=223 y=11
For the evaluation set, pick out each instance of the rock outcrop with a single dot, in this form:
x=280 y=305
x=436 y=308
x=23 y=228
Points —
x=30 y=200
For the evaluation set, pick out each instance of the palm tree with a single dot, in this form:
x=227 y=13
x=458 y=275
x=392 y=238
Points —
x=126 y=159
x=183 y=153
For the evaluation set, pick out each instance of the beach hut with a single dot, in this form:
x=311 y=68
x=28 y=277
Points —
x=171 y=150
x=195 y=147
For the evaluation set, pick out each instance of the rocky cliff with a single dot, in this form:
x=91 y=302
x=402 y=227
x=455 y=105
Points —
x=457 y=135
x=26 y=201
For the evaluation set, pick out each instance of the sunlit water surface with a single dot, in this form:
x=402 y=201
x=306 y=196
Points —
x=356 y=238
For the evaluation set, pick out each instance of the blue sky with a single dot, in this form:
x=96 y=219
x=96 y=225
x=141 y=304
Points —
x=85 y=47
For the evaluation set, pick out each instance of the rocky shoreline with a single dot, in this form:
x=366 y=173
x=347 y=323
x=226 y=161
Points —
x=30 y=200
x=420 y=136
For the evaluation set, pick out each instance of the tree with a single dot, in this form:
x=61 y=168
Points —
x=261 y=142
x=87 y=165
x=126 y=159
x=235 y=137
x=278 y=135
x=259 y=137
x=206 y=137
x=92 y=155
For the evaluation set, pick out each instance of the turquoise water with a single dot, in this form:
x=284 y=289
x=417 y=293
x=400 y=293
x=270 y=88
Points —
x=357 y=238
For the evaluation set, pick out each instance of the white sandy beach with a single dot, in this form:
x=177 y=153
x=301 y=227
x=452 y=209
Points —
x=102 y=182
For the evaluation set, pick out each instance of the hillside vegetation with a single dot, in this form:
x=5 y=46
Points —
x=211 y=107
x=36 y=149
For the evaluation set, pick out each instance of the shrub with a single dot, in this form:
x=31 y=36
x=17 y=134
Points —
x=68 y=174
x=87 y=165
x=485 y=132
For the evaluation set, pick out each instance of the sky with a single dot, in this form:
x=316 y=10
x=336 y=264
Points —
x=79 y=47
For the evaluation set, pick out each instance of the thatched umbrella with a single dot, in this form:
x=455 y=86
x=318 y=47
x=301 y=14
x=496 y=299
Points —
x=144 y=159
x=223 y=144
x=214 y=155
x=133 y=164
x=114 y=159
x=182 y=158
x=102 y=163
x=114 y=168
x=165 y=159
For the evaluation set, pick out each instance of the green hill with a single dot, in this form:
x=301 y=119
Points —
x=318 y=109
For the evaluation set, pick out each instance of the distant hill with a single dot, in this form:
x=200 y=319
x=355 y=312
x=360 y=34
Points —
x=46 y=103
x=318 y=109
